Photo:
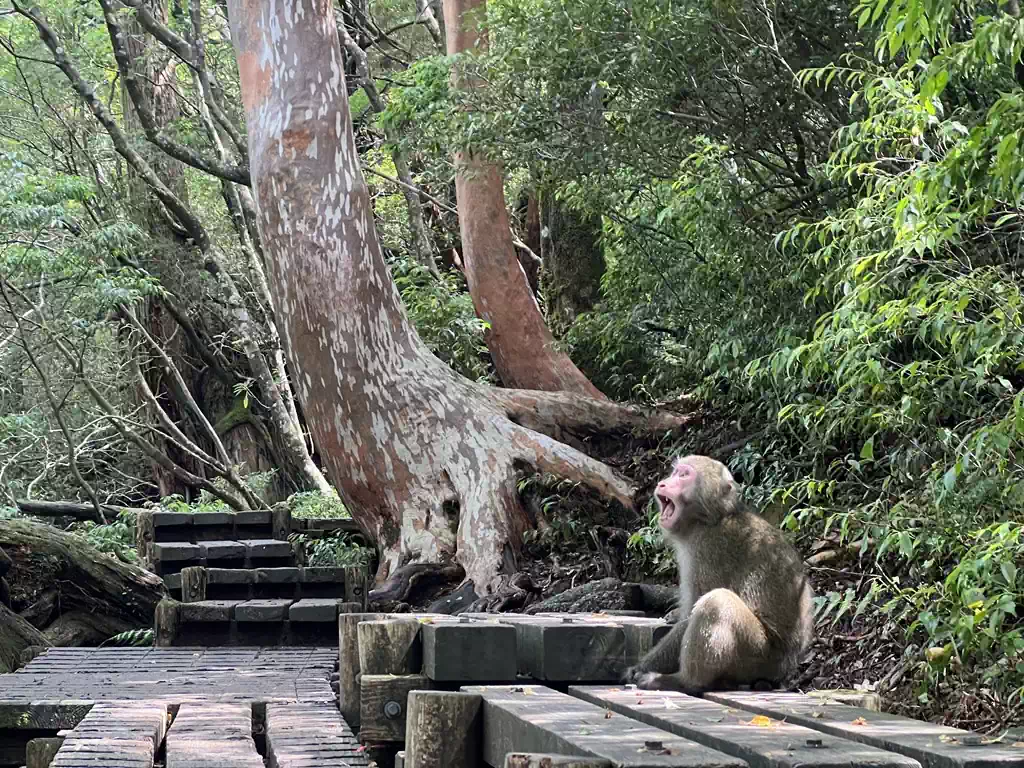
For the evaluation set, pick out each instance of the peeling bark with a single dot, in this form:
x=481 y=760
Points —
x=524 y=351
x=424 y=459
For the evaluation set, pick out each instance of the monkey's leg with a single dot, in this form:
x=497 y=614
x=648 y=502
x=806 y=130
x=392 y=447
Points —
x=723 y=641
x=663 y=657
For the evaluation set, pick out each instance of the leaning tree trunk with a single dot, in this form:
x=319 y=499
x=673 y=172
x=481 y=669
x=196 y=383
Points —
x=424 y=459
x=524 y=351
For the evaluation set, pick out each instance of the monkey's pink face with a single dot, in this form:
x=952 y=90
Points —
x=674 y=492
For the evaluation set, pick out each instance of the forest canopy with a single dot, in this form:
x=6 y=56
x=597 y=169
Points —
x=801 y=219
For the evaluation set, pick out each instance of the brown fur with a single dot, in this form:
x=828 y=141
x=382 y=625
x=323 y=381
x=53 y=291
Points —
x=745 y=601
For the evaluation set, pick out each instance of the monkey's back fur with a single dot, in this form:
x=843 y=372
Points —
x=747 y=555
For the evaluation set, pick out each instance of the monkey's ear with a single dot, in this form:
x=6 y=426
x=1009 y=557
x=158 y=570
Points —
x=730 y=490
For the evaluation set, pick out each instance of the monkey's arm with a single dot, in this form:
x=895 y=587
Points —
x=663 y=657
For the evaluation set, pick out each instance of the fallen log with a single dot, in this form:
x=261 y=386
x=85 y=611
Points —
x=73 y=509
x=16 y=635
x=87 y=583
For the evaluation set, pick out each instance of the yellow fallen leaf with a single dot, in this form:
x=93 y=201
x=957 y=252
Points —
x=859 y=721
x=761 y=721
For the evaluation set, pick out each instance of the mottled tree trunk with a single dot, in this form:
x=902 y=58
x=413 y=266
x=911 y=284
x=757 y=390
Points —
x=425 y=460
x=524 y=351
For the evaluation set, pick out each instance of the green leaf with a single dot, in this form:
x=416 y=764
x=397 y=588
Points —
x=949 y=479
x=1009 y=571
x=867 y=451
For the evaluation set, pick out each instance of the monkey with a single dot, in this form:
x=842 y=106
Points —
x=745 y=602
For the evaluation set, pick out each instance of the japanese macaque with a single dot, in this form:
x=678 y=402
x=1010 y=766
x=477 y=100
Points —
x=745 y=614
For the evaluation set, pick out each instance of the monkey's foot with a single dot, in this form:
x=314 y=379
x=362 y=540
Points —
x=654 y=681
x=651 y=681
x=633 y=674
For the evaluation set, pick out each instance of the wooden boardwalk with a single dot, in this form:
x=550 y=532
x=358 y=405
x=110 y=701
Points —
x=500 y=688
x=267 y=663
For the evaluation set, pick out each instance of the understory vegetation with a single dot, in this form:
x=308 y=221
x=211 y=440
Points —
x=809 y=220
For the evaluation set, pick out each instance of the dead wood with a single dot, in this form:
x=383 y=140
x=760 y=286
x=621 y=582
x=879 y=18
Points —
x=659 y=599
x=16 y=635
x=78 y=628
x=85 y=580
x=554 y=413
x=73 y=509
x=40 y=613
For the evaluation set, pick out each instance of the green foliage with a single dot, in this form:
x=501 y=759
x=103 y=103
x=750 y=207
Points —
x=136 y=638
x=335 y=549
x=116 y=538
x=907 y=395
x=442 y=311
x=316 y=504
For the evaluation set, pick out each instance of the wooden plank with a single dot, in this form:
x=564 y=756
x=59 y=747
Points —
x=534 y=760
x=207 y=610
x=571 y=651
x=443 y=730
x=175 y=551
x=469 y=651
x=934 y=746
x=39 y=753
x=314 y=610
x=212 y=735
x=538 y=719
x=390 y=647
x=262 y=549
x=302 y=735
x=348 y=661
x=762 y=743
x=262 y=610
x=212 y=551
x=382 y=705
x=118 y=735
x=38 y=696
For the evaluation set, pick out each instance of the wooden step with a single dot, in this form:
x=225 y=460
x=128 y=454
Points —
x=533 y=718
x=266 y=622
x=930 y=744
x=114 y=735
x=56 y=689
x=761 y=742
x=248 y=583
x=212 y=735
x=301 y=735
x=172 y=557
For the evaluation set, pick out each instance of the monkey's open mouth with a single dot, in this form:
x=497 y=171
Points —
x=668 y=509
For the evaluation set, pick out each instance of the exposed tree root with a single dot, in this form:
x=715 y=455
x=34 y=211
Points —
x=407 y=580
x=551 y=413
x=548 y=455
